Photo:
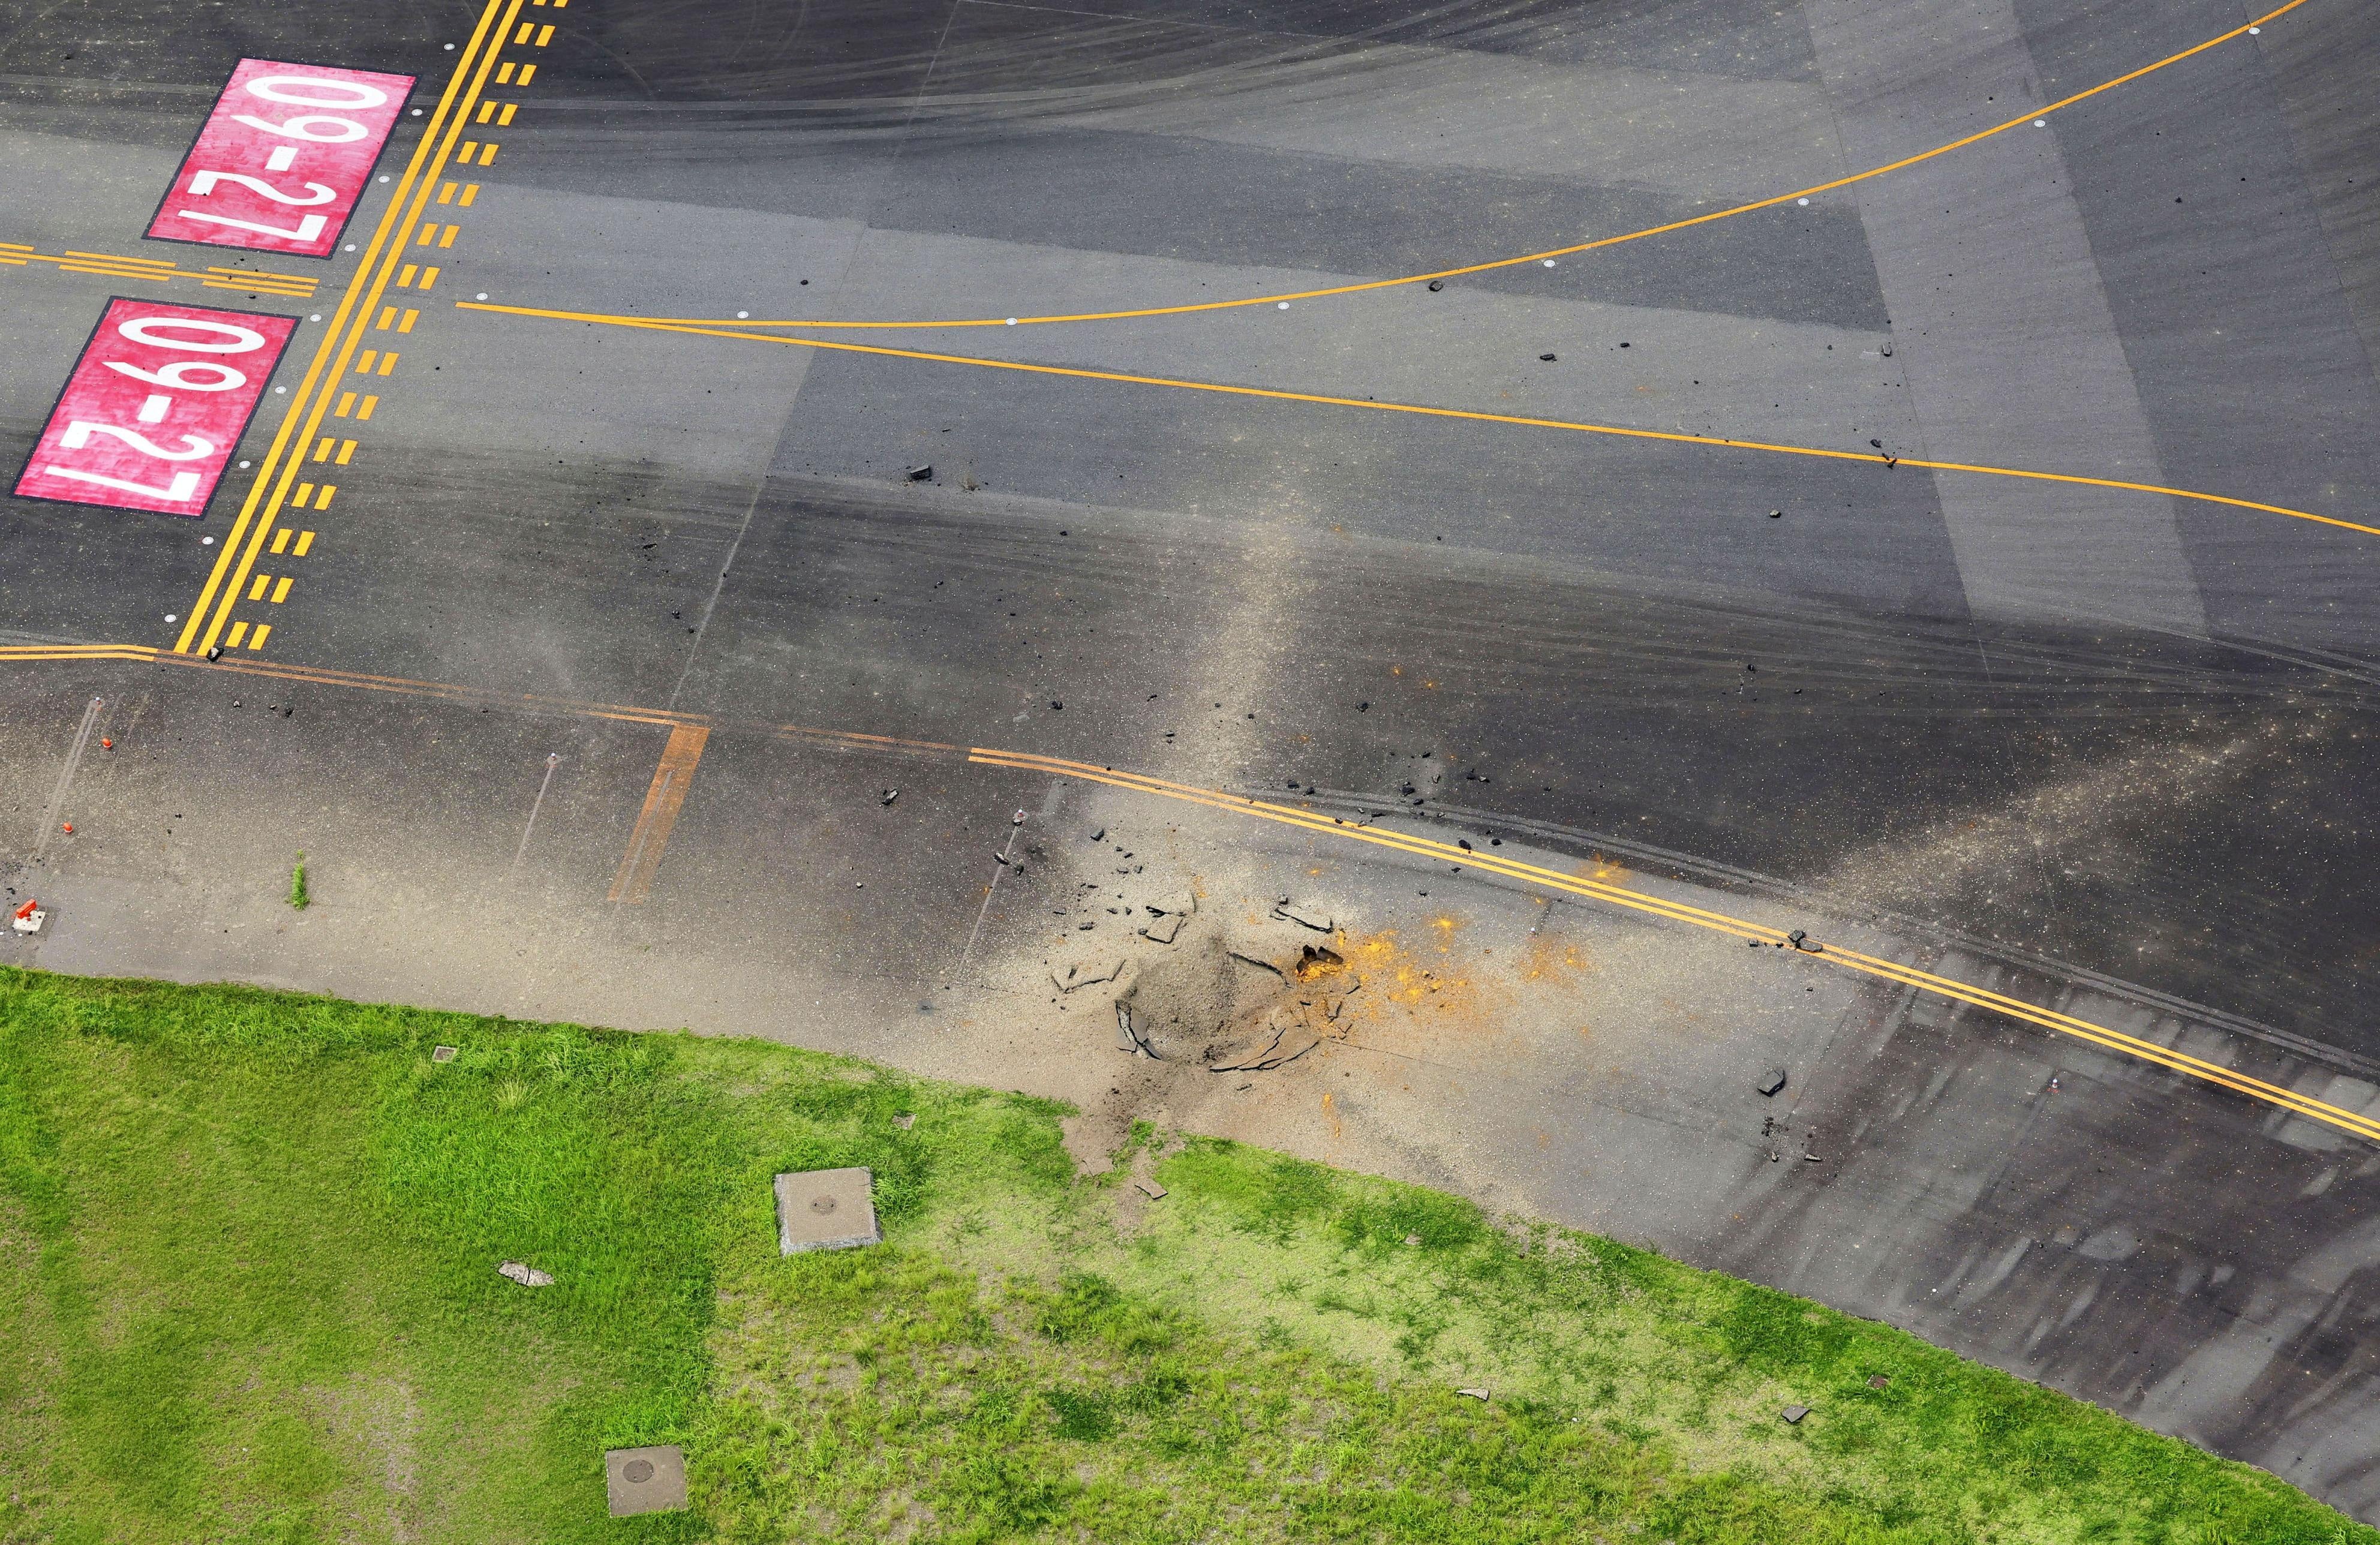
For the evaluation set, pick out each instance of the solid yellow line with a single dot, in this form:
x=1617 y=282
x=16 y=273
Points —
x=421 y=176
x=2018 y=122
x=1272 y=394
x=2101 y=1035
x=357 y=291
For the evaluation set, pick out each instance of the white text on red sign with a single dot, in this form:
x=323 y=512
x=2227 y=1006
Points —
x=283 y=159
x=155 y=406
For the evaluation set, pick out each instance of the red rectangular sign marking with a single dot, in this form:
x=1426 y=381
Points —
x=155 y=406
x=283 y=159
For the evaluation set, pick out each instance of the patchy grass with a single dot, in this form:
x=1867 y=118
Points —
x=248 y=1243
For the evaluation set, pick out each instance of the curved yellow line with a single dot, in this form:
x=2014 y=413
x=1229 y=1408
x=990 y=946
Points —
x=1270 y=393
x=2018 y=122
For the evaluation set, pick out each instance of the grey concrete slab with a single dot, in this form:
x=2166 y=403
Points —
x=826 y=1210
x=649 y=1480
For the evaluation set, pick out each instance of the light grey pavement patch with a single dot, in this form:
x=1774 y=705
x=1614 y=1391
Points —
x=1961 y=259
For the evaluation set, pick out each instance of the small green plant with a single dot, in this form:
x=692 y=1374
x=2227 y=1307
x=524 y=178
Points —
x=297 y=897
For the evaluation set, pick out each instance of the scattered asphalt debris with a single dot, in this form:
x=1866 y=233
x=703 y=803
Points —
x=1776 y=515
x=1793 y=1415
x=1164 y=930
x=1100 y=835
x=888 y=796
x=1437 y=285
x=1876 y=445
x=1623 y=345
x=1771 y=1081
x=1547 y=358
x=920 y=473
x=1057 y=707
x=1888 y=351
x=1462 y=845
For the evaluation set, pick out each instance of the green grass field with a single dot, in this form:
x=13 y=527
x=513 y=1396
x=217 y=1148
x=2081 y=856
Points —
x=248 y=1243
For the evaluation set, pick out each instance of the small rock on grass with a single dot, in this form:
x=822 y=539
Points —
x=1476 y=1395
x=524 y=1273
x=1793 y=1415
x=1148 y=1188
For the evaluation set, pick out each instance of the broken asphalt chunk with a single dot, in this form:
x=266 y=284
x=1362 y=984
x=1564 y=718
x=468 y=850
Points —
x=920 y=473
x=1165 y=930
x=1080 y=975
x=1305 y=917
x=1771 y=1081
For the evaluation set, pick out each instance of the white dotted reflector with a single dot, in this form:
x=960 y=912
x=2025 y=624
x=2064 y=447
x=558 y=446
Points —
x=1012 y=322
x=741 y=315
x=2256 y=32
x=1802 y=201
x=1285 y=305
x=1549 y=263
x=2041 y=122
x=482 y=295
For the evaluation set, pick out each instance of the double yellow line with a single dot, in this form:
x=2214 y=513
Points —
x=1719 y=922
x=212 y=613
x=1421 y=848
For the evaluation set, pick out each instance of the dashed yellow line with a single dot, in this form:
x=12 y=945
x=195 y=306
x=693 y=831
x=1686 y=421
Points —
x=211 y=615
x=1426 y=410
x=2022 y=120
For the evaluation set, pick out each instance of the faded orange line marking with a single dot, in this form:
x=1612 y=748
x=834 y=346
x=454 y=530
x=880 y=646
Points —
x=662 y=801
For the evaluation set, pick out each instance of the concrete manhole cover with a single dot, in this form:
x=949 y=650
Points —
x=826 y=1210
x=645 y=1480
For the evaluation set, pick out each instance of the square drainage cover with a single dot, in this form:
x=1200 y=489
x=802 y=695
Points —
x=826 y=1210
x=645 y=1480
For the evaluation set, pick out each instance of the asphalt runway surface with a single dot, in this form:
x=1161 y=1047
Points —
x=1700 y=564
